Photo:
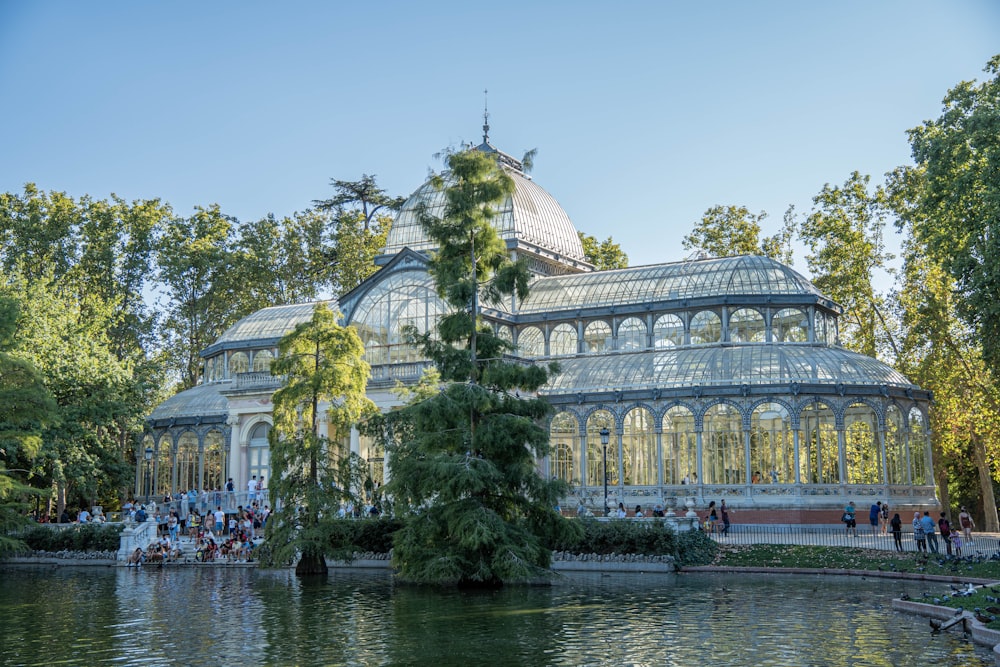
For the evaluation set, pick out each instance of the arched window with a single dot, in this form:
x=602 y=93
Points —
x=861 y=443
x=632 y=334
x=238 y=363
x=562 y=341
x=680 y=446
x=531 y=342
x=564 y=439
x=259 y=453
x=919 y=449
x=597 y=337
x=215 y=461
x=187 y=462
x=790 y=325
x=668 y=331
x=706 y=327
x=163 y=466
x=746 y=325
x=772 y=447
x=895 y=447
x=723 y=459
x=819 y=452
x=595 y=450
x=372 y=450
x=382 y=317
x=262 y=361
x=639 y=447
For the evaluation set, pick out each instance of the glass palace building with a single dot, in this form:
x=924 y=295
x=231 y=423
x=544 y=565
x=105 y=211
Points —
x=710 y=378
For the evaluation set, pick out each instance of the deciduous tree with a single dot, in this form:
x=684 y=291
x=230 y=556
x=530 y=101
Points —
x=321 y=398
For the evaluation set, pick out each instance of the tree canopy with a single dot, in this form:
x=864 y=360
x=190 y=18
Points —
x=476 y=511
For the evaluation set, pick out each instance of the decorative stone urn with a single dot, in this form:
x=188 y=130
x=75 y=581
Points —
x=670 y=503
x=691 y=514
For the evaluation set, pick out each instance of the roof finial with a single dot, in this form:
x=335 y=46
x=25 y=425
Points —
x=486 y=117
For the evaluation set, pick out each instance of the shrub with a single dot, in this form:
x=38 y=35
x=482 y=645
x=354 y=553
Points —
x=76 y=538
x=647 y=538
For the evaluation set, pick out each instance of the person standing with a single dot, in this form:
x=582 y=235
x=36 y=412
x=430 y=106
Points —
x=873 y=514
x=713 y=517
x=724 y=511
x=897 y=531
x=252 y=490
x=945 y=527
x=850 y=519
x=967 y=524
x=928 y=525
x=918 y=533
x=885 y=517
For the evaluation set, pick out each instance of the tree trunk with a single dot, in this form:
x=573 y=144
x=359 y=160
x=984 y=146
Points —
x=990 y=523
x=309 y=565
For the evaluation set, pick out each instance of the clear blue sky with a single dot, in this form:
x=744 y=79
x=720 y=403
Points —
x=644 y=114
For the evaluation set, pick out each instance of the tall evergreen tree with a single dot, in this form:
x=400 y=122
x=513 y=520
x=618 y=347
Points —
x=464 y=479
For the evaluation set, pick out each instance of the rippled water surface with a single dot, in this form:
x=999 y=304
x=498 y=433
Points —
x=218 y=617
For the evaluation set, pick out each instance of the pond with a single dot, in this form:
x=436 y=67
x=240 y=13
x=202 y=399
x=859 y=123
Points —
x=216 y=616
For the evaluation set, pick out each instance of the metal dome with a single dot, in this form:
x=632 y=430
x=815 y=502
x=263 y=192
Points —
x=716 y=366
x=715 y=277
x=530 y=215
x=199 y=401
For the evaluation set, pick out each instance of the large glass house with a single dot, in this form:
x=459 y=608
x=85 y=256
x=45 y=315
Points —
x=710 y=378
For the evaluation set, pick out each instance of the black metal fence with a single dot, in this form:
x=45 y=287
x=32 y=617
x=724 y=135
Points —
x=838 y=536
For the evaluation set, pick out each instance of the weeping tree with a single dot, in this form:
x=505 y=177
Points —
x=321 y=398
x=464 y=480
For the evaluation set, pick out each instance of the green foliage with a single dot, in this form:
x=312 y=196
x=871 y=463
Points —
x=88 y=537
x=959 y=154
x=604 y=255
x=323 y=366
x=463 y=456
x=844 y=234
x=648 y=538
x=346 y=537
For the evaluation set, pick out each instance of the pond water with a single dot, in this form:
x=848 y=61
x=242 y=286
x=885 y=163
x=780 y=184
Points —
x=223 y=617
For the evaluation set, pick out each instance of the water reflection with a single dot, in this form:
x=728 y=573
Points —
x=245 y=617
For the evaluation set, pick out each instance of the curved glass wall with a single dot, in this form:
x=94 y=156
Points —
x=632 y=334
x=187 y=462
x=861 y=445
x=819 y=450
x=723 y=459
x=790 y=325
x=531 y=342
x=772 y=445
x=895 y=447
x=639 y=447
x=239 y=362
x=597 y=337
x=163 y=464
x=403 y=299
x=564 y=439
x=214 y=461
x=668 y=331
x=562 y=341
x=919 y=449
x=746 y=325
x=706 y=327
x=680 y=446
x=595 y=450
x=262 y=360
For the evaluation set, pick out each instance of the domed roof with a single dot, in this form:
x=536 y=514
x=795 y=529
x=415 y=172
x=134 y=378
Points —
x=530 y=215
x=715 y=277
x=264 y=327
x=732 y=365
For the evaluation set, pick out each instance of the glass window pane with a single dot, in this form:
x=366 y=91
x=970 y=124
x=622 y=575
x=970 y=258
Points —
x=531 y=342
x=746 y=325
x=597 y=337
x=562 y=341
x=668 y=331
x=706 y=327
x=632 y=334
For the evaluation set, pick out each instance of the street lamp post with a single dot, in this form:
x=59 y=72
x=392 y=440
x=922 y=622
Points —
x=149 y=475
x=605 y=436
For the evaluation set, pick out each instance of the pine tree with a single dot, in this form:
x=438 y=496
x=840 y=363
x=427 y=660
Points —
x=475 y=509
